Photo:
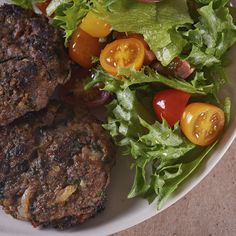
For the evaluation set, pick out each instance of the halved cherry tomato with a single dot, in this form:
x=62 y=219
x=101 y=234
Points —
x=94 y=26
x=42 y=6
x=149 y=56
x=122 y=53
x=170 y=104
x=83 y=47
x=202 y=123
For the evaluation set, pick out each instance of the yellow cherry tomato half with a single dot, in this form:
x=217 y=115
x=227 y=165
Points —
x=122 y=53
x=94 y=26
x=202 y=123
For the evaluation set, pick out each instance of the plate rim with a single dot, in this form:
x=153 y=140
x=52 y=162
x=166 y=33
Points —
x=215 y=157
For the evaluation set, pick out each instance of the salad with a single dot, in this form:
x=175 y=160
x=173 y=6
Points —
x=157 y=67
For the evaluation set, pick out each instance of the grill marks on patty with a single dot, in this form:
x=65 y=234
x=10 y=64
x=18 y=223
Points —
x=33 y=62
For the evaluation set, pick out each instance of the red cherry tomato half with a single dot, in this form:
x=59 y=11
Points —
x=170 y=104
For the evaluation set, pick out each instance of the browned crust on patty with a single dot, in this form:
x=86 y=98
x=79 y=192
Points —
x=55 y=167
x=33 y=61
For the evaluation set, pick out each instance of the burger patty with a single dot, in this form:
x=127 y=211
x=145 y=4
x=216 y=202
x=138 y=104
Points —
x=55 y=167
x=33 y=61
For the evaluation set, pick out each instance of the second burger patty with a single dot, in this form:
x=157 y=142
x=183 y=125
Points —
x=55 y=167
x=33 y=61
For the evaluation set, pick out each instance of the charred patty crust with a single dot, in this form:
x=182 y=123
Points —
x=55 y=167
x=33 y=61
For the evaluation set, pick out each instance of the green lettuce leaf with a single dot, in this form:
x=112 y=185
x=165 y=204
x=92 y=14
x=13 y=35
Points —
x=162 y=157
x=148 y=75
x=213 y=78
x=153 y=145
x=156 y=21
x=168 y=179
x=216 y=3
x=68 y=16
x=199 y=58
x=54 y=4
x=199 y=85
x=132 y=128
x=213 y=35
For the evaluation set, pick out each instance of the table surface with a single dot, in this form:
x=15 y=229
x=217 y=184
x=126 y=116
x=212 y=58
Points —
x=209 y=209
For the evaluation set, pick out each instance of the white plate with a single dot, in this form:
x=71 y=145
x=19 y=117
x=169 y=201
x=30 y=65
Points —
x=121 y=213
